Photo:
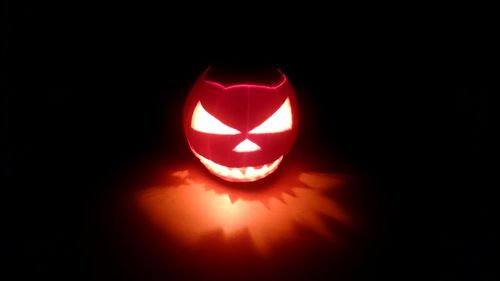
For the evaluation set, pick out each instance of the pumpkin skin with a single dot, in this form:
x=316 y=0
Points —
x=241 y=131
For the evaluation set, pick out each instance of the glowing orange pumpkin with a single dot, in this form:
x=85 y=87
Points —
x=240 y=128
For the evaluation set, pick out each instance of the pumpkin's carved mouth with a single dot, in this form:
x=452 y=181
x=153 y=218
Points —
x=240 y=174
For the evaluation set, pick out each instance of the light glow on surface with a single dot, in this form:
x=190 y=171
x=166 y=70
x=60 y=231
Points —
x=191 y=207
x=280 y=121
x=239 y=174
x=246 y=146
x=202 y=121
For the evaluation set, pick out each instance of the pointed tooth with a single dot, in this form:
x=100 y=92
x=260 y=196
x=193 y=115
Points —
x=237 y=173
x=265 y=168
x=250 y=172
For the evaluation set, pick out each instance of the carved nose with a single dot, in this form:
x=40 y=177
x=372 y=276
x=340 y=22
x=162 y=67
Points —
x=246 y=146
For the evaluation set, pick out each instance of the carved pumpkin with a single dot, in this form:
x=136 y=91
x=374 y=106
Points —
x=241 y=128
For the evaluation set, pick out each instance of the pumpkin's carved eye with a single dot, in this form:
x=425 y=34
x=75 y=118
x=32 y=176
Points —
x=280 y=121
x=202 y=121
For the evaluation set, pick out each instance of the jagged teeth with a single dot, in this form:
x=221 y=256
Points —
x=240 y=174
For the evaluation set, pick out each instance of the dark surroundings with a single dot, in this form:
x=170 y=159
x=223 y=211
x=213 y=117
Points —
x=92 y=95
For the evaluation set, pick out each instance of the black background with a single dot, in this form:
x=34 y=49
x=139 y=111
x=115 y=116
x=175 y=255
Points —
x=92 y=91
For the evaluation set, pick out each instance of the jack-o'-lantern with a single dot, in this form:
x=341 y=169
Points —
x=241 y=126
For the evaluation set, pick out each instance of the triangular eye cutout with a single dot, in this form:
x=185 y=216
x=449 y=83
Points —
x=280 y=121
x=202 y=121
